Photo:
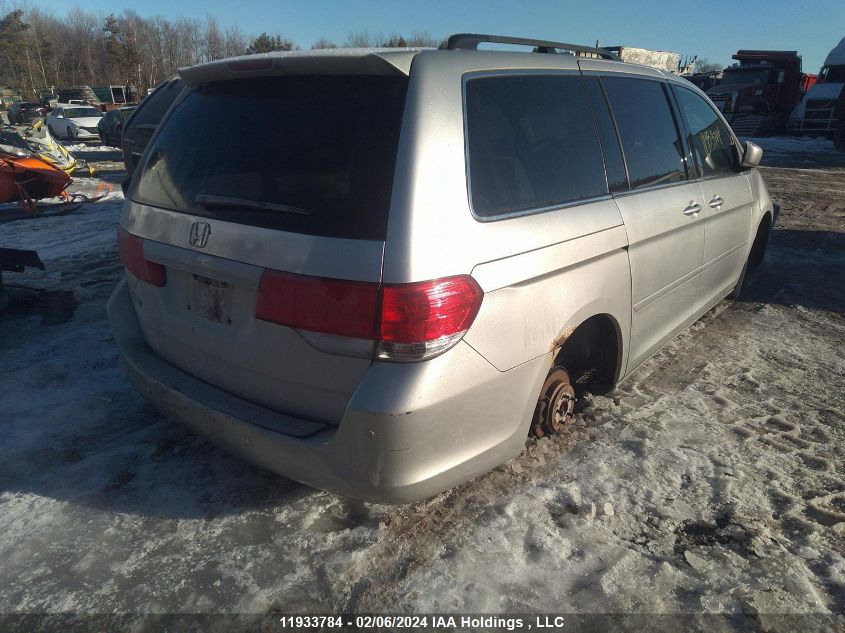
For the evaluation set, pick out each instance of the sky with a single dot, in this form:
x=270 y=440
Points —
x=712 y=29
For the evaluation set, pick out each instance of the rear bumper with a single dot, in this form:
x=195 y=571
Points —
x=410 y=430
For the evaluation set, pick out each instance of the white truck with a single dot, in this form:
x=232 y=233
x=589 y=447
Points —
x=822 y=110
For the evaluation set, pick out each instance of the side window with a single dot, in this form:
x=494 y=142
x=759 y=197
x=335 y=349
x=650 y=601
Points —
x=653 y=149
x=617 y=179
x=531 y=143
x=711 y=142
x=151 y=110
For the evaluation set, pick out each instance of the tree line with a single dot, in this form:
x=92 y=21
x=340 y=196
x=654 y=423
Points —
x=39 y=50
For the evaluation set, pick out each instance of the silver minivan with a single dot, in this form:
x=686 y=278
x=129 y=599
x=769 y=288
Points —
x=378 y=271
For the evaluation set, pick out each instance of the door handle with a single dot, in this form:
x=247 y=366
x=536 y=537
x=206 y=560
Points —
x=716 y=202
x=692 y=209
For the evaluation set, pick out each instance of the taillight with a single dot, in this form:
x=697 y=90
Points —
x=421 y=320
x=408 y=322
x=331 y=306
x=131 y=250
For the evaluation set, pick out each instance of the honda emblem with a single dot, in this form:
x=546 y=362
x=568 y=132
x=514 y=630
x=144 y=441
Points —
x=199 y=234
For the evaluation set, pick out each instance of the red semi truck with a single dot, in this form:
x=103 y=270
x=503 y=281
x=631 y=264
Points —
x=757 y=94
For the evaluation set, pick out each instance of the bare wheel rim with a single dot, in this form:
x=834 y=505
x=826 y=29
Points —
x=556 y=404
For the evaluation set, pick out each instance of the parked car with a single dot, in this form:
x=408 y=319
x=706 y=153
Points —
x=422 y=256
x=111 y=125
x=74 y=122
x=25 y=112
x=140 y=127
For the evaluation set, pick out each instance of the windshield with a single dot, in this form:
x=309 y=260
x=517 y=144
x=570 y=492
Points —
x=308 y=154
x=12 y=143
x=832 y=75
x=747 y=76
x=79 y=113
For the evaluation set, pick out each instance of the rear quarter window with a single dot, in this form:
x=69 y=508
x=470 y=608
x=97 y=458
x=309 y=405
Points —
x=531 y=143
x=318 y=152
x=152 y=109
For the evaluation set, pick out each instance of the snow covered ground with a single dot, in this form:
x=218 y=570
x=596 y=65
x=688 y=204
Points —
x=711 y=482
x=798 y=151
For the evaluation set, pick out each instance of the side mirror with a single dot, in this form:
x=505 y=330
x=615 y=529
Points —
x=752 y=154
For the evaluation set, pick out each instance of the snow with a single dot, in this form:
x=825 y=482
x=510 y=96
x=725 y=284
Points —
x=709 y=482
x=794 y=145
x=83 y=147
x=798 y=151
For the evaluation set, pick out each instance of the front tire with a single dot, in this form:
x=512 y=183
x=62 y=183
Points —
x=761 y=241
x=755 y=255
x=737 y=291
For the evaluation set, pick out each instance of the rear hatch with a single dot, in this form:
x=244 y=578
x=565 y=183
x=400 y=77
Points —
x=255 y=230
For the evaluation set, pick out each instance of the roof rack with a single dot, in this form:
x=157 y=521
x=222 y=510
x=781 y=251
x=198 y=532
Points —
x=470 y=42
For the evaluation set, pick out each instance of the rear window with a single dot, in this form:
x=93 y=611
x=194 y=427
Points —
x=312 y=155
x=532 y=143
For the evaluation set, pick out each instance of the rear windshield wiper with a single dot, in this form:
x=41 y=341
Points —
x=209 y=201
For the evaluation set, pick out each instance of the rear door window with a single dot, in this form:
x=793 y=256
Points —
x=531 y=143
x=654 y=153
x=308 y=154
x=711 y=142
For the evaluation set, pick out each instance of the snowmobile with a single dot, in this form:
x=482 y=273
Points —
x=25 y=178
x=37 y=136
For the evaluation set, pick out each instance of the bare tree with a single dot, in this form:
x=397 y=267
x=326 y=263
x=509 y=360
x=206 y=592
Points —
x=361 y=39
x=422 y=39
x=704 y=66
x=323 y=43
x=235 y=43
x=215 y=44
x=39 y=50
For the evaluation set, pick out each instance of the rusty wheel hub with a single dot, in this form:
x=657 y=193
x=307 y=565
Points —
x=556 y=404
